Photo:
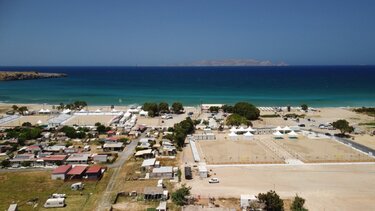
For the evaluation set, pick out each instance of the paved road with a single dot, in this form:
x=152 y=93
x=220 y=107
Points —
x=105 y=201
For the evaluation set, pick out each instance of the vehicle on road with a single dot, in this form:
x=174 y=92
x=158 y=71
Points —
x=213 y=180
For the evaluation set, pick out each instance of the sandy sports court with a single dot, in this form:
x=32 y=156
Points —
x=32 y=119
x=226 y=151
x=325 y=187
x=89 y=120
x=321 y=150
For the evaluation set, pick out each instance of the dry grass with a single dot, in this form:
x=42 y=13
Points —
x=235 y=152
x=20 y=187
x=322 y=150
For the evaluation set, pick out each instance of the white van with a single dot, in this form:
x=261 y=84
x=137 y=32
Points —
x=58 y=202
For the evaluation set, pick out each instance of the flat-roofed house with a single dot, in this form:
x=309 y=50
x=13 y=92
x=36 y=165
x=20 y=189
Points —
x=77 y=172
x=78 y=159
x=152 y=193
x=165 y=172
x=61 y=172
x=113 y=146
x=94 y=172
x=148 y=163
x=100 y=158
x=147 y=153
x=21 y=159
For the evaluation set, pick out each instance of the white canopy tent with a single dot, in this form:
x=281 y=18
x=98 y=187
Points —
x=233 y=129
x=292 y=134
x=277 y=134
x=39 y=122
x=248 y=135
x=286 y=128
x=249 y=129
x=278 y=128
x=232 y=134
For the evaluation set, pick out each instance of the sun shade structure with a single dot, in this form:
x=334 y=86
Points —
x=232 y=134
x=292 y=134
x=278 y=128
x=248 y=134
x=277 y=133
x=286 y=128
x=249 y=129
x=233 y=129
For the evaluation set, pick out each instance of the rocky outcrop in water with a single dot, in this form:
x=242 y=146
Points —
x=12 y=76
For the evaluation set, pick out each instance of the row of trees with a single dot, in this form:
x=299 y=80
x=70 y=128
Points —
x=154 y=109
x=24 y=133
x=269 y=201
x=21 y=109
x=76 y=105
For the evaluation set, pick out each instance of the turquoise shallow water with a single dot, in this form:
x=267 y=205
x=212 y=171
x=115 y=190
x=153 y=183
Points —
x=267 y=86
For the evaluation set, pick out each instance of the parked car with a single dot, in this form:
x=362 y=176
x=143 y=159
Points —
x=213 y=180
x=302 y=125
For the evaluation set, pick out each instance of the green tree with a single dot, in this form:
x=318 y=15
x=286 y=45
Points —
x=27 y=124
x=101 y=129
x=343 y=126
x=247 y=110
x=22 y=109
x=163 y=107
x=214 y=109
x=271 y=200
x=69 y=131
x=5 y=163
x=227 y=108
x=177 y=107
x=152 y=109
x=15 y=107
x=304 y=107
x=179 y=197
x=236 y=120
x=297 y=204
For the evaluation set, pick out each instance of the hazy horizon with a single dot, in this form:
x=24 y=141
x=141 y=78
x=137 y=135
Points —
x=168 y=33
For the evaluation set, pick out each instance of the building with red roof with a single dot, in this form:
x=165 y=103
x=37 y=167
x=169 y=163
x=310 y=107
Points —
x=77 y=172
x=94 y=172
x=61 y=172
x=51 y=160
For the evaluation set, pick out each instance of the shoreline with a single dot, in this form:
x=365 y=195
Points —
x=185 y=105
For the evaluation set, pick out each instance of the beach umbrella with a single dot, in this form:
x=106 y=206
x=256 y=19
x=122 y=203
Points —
x=39 y=122
x=241 y=129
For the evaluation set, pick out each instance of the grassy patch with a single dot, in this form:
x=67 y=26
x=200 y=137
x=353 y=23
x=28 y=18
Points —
x=20 y=187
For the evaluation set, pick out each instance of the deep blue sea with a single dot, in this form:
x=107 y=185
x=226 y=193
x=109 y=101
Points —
x=266 y=86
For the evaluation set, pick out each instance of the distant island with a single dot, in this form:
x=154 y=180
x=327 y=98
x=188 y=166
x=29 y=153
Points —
x=234 y=62
x=12 y=75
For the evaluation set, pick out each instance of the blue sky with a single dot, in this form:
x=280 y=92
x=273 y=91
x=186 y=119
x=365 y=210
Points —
x=80 y=32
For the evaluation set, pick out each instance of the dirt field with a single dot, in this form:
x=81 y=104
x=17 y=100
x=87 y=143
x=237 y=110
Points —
x=365 y=140
x=89 y=120
x=225 y=151
x=321 y=150
x=32 y=119
x=326 y=187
